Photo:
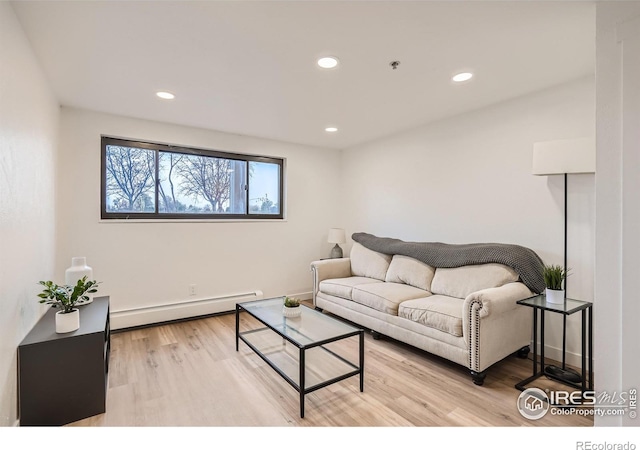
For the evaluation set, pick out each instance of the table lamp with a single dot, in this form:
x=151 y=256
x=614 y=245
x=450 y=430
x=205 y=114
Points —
x=336 y=236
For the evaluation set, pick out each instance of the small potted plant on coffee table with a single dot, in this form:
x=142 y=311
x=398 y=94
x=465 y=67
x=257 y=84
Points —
x=66 y=297
x=291 y=307
x=554 y=276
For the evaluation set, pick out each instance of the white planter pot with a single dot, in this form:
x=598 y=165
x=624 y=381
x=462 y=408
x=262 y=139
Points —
x=554 y=296
x=291 y=312
x=65 y=323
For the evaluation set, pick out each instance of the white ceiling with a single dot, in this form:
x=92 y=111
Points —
x=250 y=67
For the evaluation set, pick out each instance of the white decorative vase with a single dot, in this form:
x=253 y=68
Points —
x=554 y=296
x=78 y=270
x=65 y=323
x=291 y=312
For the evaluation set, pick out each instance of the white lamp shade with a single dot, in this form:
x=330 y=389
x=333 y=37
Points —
x=336 y=236
x=564 y=156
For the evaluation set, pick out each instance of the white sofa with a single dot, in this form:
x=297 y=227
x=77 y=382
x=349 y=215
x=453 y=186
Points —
x=465 y=314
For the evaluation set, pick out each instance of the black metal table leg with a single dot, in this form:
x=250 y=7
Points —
x=302 y=383
x=237 y=325
x=522 y=384
x=590 y=311
x=564 y=341
x=542 y=340
x=362 y=361
x=535 y=341
x=584 y=350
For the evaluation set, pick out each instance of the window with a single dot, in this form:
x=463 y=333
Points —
x=153 y=181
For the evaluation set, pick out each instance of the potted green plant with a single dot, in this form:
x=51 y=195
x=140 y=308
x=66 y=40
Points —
x=291 y=307
x=554 y=276
x=66 y=297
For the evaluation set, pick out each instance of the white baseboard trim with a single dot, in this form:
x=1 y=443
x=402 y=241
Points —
x=303 y=295
x=147 y=315
x=555 y=353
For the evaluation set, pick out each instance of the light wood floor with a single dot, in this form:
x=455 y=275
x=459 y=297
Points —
x=189 y=374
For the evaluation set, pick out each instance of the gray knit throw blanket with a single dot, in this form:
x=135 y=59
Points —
x=524 y=261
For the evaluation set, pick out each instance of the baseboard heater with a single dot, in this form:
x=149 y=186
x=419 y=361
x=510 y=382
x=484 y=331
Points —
x=145 y=315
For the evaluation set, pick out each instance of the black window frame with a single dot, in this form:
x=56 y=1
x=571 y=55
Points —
x=157 y=215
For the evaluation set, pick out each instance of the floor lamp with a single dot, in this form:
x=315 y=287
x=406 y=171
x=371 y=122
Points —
x=563 y=157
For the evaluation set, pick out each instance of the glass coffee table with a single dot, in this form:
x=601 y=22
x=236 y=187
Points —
x=299 y=348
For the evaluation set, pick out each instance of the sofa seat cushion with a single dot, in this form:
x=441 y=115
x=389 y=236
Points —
x=461 y=281
x=367 y=263
x=385 y=297
x=342 y=287
x=404 y=269
x=441 y=312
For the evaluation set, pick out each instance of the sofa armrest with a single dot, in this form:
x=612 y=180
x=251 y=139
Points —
x=494 y=325
x=496 y=300
x=328 y=269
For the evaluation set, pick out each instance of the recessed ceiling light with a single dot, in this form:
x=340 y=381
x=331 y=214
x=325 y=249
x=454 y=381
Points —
x=165 y=95
x=464 y=76
x=328 y=62
x=331 y=129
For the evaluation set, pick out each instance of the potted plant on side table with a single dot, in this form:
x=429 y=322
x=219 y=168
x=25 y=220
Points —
x=66 y=297
x=554 y=276
x=291 y=307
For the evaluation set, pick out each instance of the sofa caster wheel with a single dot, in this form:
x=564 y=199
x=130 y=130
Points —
x=376 y=335
x=523 y=353
x=478 y=377
x=317 y=308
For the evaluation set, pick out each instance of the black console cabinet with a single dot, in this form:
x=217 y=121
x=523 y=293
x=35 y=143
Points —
x=63 y=377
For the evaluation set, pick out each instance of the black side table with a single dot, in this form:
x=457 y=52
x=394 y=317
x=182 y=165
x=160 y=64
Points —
x=63 y=378
x=570 y=306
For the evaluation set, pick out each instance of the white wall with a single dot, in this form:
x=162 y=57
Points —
x=148 y=264
x=617 y=334
x=468 y=179
x=29 y=117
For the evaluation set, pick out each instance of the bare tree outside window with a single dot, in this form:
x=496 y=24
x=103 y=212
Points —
x=206 y=177
x=167 y=185
x=130 y=179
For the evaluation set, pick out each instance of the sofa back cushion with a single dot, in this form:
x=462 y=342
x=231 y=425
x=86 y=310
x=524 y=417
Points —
x=367 y=263
x=462 y=281
x=404 y=269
